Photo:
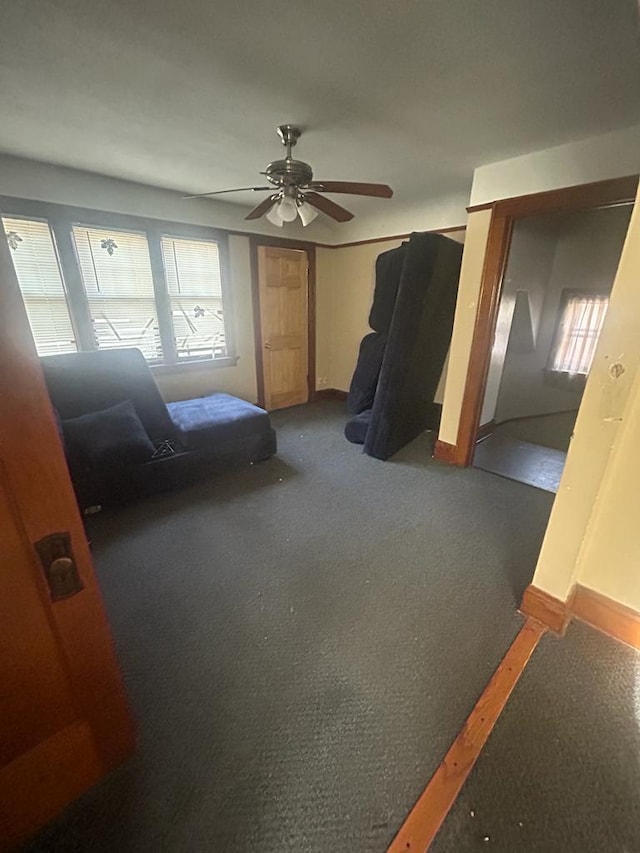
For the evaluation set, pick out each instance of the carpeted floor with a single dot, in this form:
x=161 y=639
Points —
x=301 y=641
x=561 y=770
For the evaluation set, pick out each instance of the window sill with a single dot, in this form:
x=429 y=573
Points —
x=193 y=366
x=565 y=381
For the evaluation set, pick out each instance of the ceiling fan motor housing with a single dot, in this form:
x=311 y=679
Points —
x=287 y=172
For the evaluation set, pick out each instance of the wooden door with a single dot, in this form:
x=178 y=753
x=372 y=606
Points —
x=284 y=305
x=64 y=720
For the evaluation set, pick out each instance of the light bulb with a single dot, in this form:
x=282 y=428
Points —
x=274 y=217
x=307 y=213
x=287 y=209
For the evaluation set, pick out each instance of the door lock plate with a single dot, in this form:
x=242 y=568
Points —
x=59 y=566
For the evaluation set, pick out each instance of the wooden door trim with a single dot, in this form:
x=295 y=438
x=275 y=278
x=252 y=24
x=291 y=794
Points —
x=504 y=213
x=495 y=261
x=296 y=245
x=579 y=197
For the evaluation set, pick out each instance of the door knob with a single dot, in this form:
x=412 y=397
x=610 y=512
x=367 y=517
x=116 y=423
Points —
x=267 y=345
x=59 y=566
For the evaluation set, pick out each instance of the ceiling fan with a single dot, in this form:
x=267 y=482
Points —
x=294 y=191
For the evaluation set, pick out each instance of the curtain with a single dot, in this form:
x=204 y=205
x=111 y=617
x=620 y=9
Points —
x=578 y=334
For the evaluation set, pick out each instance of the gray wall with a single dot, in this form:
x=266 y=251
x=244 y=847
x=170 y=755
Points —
x=528 y=270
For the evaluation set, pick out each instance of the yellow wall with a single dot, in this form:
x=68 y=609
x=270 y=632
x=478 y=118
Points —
x=345 y=282
x=324 y=315
x=610 y=555
x=600 y=480
x=239 y=380
x=468 y=289
x=590 y=538
x=350 y=282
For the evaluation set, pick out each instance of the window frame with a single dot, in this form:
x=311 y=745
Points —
x=559 y=378
x=68 y=294
x=61 y=220
x=191 y=359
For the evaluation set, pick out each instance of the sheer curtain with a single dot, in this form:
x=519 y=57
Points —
x=578 y=334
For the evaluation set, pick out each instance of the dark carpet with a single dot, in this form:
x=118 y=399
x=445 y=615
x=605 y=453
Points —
x=561 y=771
x=301 y=641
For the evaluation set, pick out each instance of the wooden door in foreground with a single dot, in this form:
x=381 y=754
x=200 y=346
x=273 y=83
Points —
x=284 y=305
x=64 y=721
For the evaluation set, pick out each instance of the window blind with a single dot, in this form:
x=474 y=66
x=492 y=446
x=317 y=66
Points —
x=36 y=263
x=194 y=281
x=116 y=271
x=578 y=334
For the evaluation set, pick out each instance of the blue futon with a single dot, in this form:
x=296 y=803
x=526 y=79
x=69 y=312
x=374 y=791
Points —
x=122 y=440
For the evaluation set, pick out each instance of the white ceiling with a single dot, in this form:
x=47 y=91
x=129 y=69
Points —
x=414 y=93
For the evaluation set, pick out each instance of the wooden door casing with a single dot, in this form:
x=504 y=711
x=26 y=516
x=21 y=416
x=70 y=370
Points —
x=284 y=315
x=504 y=213
x=64 y=720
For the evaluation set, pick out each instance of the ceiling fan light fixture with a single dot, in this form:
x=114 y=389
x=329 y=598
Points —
x=274 y=217
x=306 y=213
x=287 y=209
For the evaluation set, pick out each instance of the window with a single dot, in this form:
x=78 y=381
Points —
x=192 y=269
x=581 y=319
x=118 y=282
x=38 y=272
x=131 y=283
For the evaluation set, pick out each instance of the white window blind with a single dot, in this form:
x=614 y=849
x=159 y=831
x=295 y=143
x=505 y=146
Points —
x=38 y=272
x=116 y=271
x=578 y=333
x=192 y=270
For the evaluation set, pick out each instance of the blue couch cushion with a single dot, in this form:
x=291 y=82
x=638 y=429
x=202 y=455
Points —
x=207 y=421
x=112 y=437
x=83 y=382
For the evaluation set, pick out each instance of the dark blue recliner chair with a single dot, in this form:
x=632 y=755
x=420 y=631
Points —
x=122 y=440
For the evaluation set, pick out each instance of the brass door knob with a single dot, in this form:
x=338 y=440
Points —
x=267 y=345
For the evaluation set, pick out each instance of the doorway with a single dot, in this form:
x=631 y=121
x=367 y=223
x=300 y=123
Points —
x=283 y=316
x=553 y=303
x=504 y=214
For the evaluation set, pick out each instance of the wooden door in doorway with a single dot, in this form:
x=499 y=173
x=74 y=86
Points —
x=64 y=720
x=283 y=285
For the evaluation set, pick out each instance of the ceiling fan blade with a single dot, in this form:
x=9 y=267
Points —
x=220 y=192
x=260 y=209
x=329 y=207
x=354 y=188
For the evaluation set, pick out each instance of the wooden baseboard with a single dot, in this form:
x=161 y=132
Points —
x=331 y=394
x=445 y=452
x=606 y=615
x=552 y=612
x=597 y=610
x=485 y=429
x=428 y=814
